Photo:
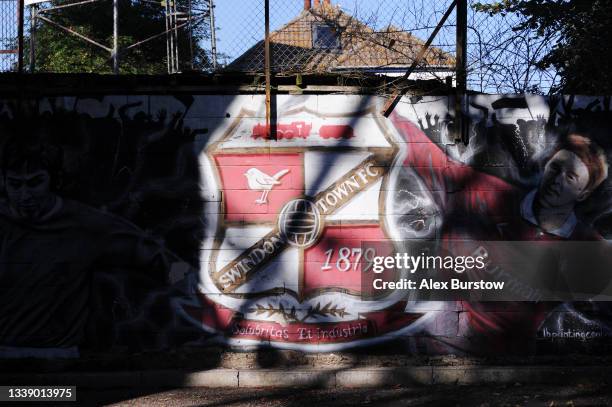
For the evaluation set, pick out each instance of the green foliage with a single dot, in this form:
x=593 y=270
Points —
x=582 y=54
x=58 y=51
x=498 y=7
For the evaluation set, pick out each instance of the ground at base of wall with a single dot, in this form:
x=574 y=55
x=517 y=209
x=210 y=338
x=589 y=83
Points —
x=220 y=358
x=494 y=395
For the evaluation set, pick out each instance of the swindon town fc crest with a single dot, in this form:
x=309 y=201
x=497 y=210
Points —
x=283 y=261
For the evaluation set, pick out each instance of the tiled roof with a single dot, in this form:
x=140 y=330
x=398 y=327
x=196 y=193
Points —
x=358 y=46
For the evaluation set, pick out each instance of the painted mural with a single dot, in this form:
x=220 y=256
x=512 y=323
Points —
x=151 y=222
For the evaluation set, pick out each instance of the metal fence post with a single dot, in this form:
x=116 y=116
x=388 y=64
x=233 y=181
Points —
x=115 y=53
x=461 y=71
x=267 y=68
x=20 y=12
x=461 y=58
x=33 y=12
x=213 y=35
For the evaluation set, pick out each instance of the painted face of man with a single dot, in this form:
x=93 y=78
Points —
x=29 y=192
x=565 y=180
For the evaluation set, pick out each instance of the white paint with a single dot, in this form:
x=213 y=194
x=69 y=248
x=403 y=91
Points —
x=364 y=206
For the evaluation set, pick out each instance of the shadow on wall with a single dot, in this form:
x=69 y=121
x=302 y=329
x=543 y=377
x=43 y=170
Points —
x=103 y=220
x=101 y=216
x=101 y=211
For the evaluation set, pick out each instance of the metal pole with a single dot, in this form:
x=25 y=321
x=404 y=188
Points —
x=171 y=34
x=190 y=37
x=20 y=11
x=176 y=42
x=213 y=35
x=33 y=15
x=461 y=57
x=115 y=52
x=167 y=37
x=461 y=70
x=267 y=68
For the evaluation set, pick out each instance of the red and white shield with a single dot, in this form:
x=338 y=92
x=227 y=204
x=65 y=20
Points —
x=283 y=261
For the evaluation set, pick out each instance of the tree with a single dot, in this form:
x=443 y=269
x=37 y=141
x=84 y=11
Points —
x=581 y=31
x=58 y=51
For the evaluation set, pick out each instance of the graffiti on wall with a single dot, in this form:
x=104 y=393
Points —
x=284 y=262
x=155 y=221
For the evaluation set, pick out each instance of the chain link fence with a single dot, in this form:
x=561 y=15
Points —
x=360 y=37
x=350 y=37
x=354 y=38
x=8 y=35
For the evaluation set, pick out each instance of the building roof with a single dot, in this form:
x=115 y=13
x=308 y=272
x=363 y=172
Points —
x=326 y=39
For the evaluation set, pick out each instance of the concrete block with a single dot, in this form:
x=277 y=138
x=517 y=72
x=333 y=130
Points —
x=285 y=378
x=384 y=377
x=516 y=374
x=476 y=375
x=206 y=378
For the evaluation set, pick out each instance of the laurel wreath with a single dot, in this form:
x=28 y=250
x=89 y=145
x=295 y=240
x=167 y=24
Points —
x=290 y=314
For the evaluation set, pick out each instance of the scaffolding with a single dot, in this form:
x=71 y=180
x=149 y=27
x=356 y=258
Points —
x=178 y=18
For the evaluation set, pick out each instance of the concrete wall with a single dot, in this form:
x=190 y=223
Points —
x=148 y=222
